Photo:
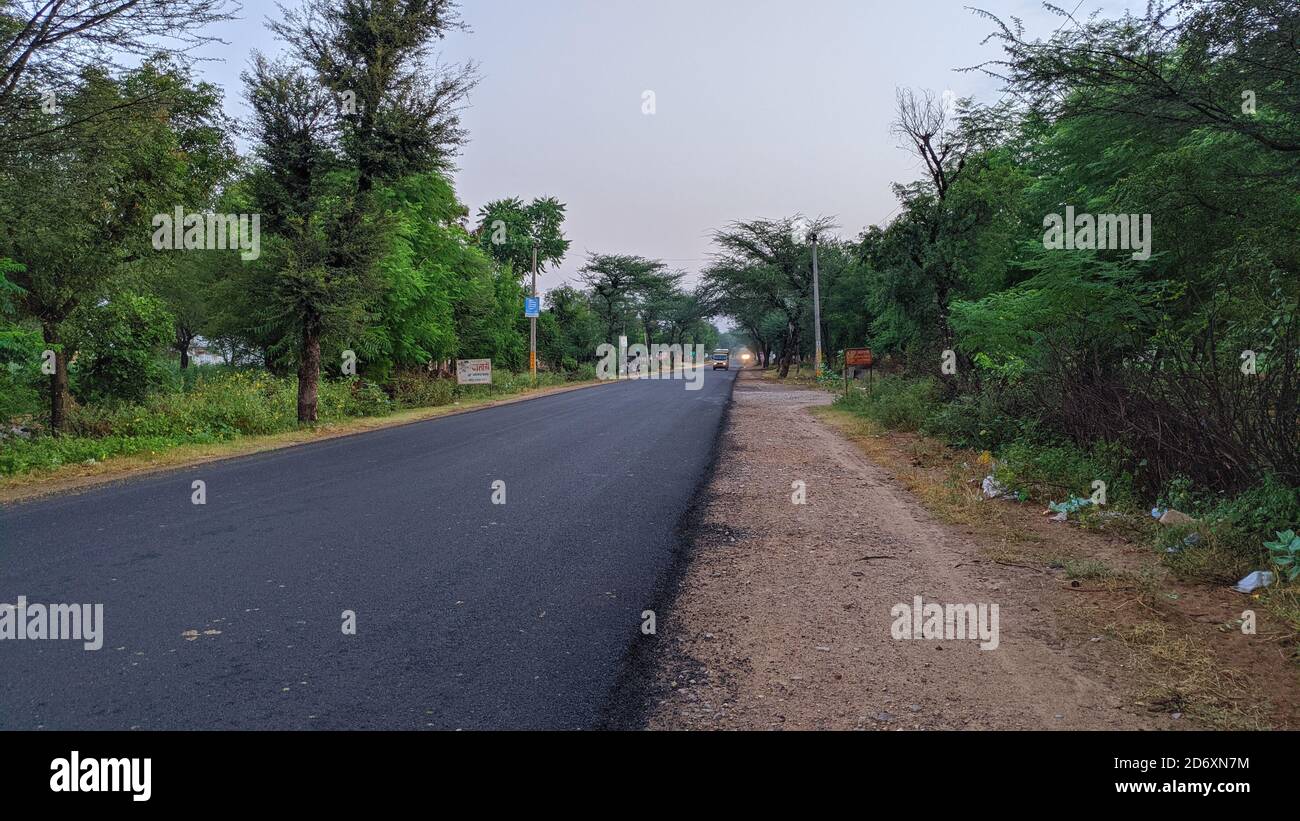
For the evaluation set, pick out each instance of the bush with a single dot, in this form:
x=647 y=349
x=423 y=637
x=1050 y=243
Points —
x=986 y=420
x=20 y=372
x=1231 y=532
x=1261 y=511
x=418 y=389
x=1218 y=554
x=350 y=398
x=894 y=402
x=222 y=404
x=120 y=348
x=1057 y=472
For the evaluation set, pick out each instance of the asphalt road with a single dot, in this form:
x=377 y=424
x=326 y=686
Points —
x=468 y=614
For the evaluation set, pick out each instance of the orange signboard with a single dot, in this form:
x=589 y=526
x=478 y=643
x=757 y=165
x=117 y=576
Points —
x=858 y=358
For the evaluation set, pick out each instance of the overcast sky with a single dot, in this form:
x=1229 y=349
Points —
x=763 y=108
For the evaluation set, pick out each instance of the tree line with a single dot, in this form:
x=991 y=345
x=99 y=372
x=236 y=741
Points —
x=334 y=246
x=1184 y=364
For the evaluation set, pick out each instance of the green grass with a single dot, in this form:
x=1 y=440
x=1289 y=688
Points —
x=894 y=402
x=221 y=405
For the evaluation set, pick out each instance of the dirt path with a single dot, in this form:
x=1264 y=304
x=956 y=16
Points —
x=784 y=618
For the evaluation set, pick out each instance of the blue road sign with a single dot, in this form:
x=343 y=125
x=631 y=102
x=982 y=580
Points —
x=532 y=306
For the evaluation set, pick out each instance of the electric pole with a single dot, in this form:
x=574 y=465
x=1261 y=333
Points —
x=532 y=333
x=817 y=309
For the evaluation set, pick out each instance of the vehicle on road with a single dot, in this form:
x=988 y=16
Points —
x=722 y=359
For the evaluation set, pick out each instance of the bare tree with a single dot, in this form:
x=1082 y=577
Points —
x=930 y=128
x=45 y=45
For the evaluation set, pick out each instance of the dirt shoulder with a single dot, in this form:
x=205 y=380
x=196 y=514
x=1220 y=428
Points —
x=783 y=617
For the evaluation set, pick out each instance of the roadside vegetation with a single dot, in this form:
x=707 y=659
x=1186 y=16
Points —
x=134 y=319
x=1173 y=377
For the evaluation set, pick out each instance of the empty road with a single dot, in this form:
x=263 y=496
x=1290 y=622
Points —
x=468 y=614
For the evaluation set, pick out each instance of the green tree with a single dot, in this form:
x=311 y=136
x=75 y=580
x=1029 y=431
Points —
x=508 y=230
x=85 y=195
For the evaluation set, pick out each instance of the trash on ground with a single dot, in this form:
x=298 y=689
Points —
x=993 y=489
x=1173 y=517
x=1254 y=581
x=1063 y=509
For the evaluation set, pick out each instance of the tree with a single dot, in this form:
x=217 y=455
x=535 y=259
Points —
x=84 y=196
x=931 y=130
x=396 y=117
x=391 y=119
x=767 y=265
x=615 y=281
x=120 y=343
x=577 y=327
x=46 y=46
x=1219 y=64
x=508 y=230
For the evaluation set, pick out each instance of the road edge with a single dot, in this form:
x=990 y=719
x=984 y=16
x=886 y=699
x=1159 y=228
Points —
x=73 y=485
x=627 y=706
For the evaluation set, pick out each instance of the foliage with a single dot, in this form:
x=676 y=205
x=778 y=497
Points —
x=1285 y=554
x=894 y=402
x=120 y=347
x=508 y=230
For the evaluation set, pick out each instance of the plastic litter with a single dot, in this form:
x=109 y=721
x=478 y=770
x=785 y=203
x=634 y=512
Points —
x=993 y=489
x=1063 y=509
x=1254 y=581
x=1157 y=512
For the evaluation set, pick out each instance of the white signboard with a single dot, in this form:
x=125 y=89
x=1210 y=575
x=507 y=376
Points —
x=474 y=371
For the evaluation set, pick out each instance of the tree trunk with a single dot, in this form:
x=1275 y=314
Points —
x=791 y=346
x=183 y=341
x=58 y=379
x=308 y=374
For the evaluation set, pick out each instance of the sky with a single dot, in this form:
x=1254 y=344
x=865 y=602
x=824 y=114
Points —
x=762 y=108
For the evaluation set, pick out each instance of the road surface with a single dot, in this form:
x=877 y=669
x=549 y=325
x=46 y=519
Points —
x=468 y=614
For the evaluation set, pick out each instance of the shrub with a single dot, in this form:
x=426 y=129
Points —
x=418 y=389
x=121 y=346
x=896 y=402
x=985 y=420
x=351 y=398
x=1284 y=553
x=1056 y=472
x=222 y=404
x=1261 y=511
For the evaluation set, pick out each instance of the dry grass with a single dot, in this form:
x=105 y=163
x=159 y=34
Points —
x=935 y=474
x=1167 y=669
x=1181 y=675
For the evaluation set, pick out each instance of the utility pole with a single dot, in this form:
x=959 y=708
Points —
x=817 y=309
x=532 y=333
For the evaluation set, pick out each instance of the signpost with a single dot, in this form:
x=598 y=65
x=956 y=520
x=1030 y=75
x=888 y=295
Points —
x=532 y=330
x=532 y=307
x=857 y=358
x=474 y=371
